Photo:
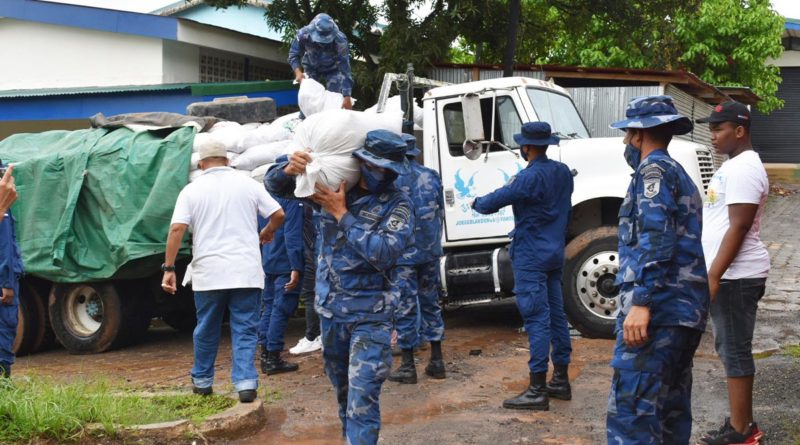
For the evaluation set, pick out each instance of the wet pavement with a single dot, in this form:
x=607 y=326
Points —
x=466 y=407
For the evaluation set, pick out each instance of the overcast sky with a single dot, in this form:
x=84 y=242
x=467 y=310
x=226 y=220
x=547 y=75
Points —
x=788 y=8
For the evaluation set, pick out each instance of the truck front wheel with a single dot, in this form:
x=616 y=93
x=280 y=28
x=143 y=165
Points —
x=88 y=318
x=591 y=299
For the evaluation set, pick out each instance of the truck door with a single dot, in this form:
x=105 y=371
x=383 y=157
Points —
x=464 y=180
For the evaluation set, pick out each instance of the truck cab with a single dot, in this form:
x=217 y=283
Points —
x=468 y=138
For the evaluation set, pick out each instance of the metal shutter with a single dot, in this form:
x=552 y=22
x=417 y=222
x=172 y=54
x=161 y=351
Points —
x=776 y=136
x=694 y=108
x=599 y=106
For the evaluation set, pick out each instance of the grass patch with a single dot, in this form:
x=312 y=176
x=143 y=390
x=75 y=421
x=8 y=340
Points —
x=766 y=354
x=793 y=351
x=38 y=408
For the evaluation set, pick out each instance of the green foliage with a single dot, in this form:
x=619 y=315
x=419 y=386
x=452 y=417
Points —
x=36 y=408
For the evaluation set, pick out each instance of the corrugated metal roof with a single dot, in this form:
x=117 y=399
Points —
x=197 y=89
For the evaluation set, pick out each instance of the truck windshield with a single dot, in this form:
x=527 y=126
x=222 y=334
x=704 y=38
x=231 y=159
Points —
x=559 y=111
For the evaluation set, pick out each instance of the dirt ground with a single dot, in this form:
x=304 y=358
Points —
x=463 y=409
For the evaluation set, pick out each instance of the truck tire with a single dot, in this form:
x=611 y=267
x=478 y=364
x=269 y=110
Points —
x=590 y=297
x=89 y=318
x=32 y=323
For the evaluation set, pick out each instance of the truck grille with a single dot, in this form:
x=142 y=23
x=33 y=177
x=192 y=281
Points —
x=706 y=164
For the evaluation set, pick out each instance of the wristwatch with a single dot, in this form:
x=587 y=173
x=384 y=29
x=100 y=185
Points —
x=165 y=268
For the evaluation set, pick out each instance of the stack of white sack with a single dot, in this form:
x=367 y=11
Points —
x=332 y=136
x=394 y=104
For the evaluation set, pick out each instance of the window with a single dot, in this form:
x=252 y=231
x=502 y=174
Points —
x=559 y=111
x=507 y=123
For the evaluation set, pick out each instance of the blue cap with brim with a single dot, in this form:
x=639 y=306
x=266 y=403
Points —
x=412 y=151
x=323 y=29
x=653 y=111
x=384 y=149
x=536 y=133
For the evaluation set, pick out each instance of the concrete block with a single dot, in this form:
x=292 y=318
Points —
x=238 y=109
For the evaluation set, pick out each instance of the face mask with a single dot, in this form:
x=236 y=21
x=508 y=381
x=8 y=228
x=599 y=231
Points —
x=377 y=182
x=524 y=154
x=632 y=156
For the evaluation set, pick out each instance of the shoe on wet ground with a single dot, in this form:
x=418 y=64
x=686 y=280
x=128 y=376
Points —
x=727 y=435
x=304 y=346
x=207 y=391
x=247 y=395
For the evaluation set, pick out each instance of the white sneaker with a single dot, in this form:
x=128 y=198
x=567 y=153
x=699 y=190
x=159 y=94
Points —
x=305 y=346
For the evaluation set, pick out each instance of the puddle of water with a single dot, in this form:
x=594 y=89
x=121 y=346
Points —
x=271 y=434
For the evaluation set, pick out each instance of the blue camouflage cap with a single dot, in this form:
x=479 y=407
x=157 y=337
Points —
x=324 y=29
x=538 y=134
x=384 y=149
x=412 y=151
x=652 y=111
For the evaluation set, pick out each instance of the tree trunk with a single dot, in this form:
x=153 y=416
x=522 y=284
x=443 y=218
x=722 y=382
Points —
x=514 y=11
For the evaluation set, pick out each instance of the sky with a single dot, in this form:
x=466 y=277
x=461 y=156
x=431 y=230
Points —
x=787 y=8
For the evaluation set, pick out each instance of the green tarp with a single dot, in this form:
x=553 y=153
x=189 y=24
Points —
x=96 y=204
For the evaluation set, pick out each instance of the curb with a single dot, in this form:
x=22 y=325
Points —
x=234 y=423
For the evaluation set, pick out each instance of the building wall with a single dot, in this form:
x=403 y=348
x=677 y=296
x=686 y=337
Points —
x=599 y=106
x=52 y=56
x=181 y=62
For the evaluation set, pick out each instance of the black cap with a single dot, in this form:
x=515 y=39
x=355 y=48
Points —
x=730 y=111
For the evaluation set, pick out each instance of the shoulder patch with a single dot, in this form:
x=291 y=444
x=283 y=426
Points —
x=652 y=186
x=395 y=223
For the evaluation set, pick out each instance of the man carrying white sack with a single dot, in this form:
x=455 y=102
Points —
x=221 y=207
x=363 y=232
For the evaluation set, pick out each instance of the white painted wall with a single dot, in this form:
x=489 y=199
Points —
x=787 y=59
x=36 y=55
x=181 y=62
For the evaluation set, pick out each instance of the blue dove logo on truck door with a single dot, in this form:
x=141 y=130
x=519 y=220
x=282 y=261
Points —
x=465 y=190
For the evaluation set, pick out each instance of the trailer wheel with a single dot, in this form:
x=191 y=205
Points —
x=31 y=321
x=88 y=318
x=591 y=299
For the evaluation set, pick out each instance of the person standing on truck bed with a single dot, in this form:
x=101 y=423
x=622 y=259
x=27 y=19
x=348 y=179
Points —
x=323 y=53
x=222 y=206
x=10 y=271
x=419 y=271
x=663 y=283
x=540 y=196
x=282 y=260
x=363 y=232
x=737 y=261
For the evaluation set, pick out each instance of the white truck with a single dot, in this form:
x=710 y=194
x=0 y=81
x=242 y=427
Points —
x=467 y=137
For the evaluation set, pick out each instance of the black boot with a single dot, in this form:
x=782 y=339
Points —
x=534 y=398
x=274 y=364
x=558 y=387
x=435 y=368
x=407 y=372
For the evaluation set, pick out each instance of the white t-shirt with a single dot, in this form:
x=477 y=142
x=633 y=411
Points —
x=220 y=207
x=740 y=180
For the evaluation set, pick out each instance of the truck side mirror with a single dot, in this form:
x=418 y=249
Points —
x=473 y=118
x=472 y=150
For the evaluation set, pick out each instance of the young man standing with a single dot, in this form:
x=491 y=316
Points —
x=663 y=283
x=737 y=261
x=222 y=207
x=540 y=196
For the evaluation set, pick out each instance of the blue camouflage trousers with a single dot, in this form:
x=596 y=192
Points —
x=651 y=392
x=357 y=357
x=9 y=318
x=419 y=301
x=541 y=305
x=277 y=306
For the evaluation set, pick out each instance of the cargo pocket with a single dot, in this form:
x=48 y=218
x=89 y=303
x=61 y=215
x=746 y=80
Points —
x=634 y=393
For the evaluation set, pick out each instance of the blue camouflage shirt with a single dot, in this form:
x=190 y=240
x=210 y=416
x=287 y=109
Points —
x=10 y=256
x=424 y=187
x=285 y=253
x=356 y=273
x=660 y=253
x=540 y=196
x=322 y=59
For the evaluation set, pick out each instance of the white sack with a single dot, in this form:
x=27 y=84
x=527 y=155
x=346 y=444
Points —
x=224 y=125
x=279 y=130
x=250 y=126
x=259 y=172
x=332 y=136
x=260 y=155
x=314 y=98
x=394 y=104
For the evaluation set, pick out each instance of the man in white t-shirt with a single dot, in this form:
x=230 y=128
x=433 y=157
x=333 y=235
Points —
x=221 y=207
x=737 y=261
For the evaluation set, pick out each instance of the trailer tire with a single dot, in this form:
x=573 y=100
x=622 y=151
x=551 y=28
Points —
x=88 y=318
x=32 y=322
x=590 y=298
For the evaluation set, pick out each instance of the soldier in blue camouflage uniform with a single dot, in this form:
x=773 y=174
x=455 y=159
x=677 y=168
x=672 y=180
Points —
x=663 y=284
x=324 y=53
x=540 y=198
x=10 y=271
x=363 y=233
x=419 y=272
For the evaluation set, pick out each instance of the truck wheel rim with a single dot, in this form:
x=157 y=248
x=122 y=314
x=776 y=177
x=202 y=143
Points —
x=84 y=311
x=595 y=284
